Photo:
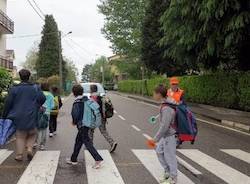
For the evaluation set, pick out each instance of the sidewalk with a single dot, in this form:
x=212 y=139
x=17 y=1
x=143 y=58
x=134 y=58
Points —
x=229 y=117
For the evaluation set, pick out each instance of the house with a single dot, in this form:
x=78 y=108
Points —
x=118 y=75
x=6 y=27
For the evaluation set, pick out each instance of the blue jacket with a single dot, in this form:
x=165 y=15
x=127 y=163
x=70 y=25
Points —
x=22 y=105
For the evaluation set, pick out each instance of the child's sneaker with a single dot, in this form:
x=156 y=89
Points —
x=98 y=164
x=42 y=147
x=164 y=178
x=68 y=161
x=51 y=134
x=172 y=181
x=54 y=133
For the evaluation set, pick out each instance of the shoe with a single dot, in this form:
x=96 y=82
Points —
x=51 y=134
x=164 y=178
x=29 y=156
x=54 y=133
x=68 y=161
x=35 y=146
x=113 y=147
x=42 y=147
x=98 y=164
x=171 y=181
x=19 y=158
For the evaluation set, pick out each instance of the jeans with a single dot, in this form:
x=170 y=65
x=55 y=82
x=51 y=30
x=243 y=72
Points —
x=25 y=139
x=166 y=152
x=52 y=123
x=104 y=132
x=42 y=137
x=83 y=138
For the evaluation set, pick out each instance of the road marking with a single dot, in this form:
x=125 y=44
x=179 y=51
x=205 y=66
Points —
x=136 y=128
x=188 y=166
x=221 y=170
x=4 y=154
x=221 y=126
x=115 y=111
x=42 y=168
x=150 y=161
x=122 y=118
x=242 y=155
x=147 y=136
x=108 y=174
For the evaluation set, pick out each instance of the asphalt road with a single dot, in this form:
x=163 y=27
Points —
x=129 y=127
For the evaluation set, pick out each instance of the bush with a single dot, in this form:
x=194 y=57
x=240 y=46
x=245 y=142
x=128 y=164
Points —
x=5 y=83
x=230 y=90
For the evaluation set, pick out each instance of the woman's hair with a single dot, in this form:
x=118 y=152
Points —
x=45 y=86
x=77 y=90
x=93 y=88
x=162 y=90
x=55 y=90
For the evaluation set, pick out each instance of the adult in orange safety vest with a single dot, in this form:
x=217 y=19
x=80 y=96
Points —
x=175 y=92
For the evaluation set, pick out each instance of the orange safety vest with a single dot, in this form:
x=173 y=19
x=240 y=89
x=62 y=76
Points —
x=176 y=95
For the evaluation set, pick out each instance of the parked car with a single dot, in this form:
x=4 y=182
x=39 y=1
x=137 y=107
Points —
x=86 y=88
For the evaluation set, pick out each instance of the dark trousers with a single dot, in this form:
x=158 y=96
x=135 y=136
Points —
x=52 y=123
x=83 y=138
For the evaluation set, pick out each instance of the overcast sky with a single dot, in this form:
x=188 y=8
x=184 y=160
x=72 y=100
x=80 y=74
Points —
x=79 y=16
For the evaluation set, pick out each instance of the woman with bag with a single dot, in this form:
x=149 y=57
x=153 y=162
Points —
x=22 y=105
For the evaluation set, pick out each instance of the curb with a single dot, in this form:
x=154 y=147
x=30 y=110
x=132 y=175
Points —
x=231 y=124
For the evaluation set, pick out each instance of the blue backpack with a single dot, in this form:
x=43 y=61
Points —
x=92 y=117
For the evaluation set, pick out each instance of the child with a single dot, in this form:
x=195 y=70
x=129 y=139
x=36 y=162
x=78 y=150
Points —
x=83 y=131
x=165 y=137
x=103 y=129
x=44 y=116
x=55 y=111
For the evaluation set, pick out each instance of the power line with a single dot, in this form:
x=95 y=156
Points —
x=79 y=46
x=35 y=10
x=31 y=35
x=80 y=56
x=38 y=8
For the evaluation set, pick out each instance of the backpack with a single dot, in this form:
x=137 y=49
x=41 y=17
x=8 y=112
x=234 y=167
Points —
x=185 y=123
x=92 y=117
x=43 y=120
x=57 y=106
x=109 y=108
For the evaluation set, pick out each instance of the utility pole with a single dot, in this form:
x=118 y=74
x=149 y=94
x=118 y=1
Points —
x=60 y=59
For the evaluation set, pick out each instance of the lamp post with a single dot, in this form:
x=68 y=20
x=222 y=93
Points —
x=60 y=56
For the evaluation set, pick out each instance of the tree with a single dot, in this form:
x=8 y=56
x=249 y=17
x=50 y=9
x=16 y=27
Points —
x=72 y=71
x=207 y=33
x=86 y=73
x=31 y=60
x=123 y=25
x=48 y=56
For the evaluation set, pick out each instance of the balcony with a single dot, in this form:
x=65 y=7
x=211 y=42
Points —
x=6 y=24
x=6 y=63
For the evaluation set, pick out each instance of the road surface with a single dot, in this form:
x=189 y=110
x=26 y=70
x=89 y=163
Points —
x=219 y=156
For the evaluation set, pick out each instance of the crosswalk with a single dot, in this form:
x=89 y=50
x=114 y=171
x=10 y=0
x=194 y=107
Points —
x=42 y=169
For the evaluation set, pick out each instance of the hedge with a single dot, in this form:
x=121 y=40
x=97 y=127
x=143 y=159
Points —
x=5 y=82
x=230 y=90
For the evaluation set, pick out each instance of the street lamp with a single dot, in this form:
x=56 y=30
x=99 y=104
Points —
x=60 y=56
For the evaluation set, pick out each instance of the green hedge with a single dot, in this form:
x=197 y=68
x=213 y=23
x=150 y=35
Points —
x=5 y=82
x=223 y=89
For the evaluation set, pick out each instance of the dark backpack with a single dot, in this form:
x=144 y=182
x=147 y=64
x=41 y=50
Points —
x=185 y=124
x=43 y=120
x=109 y=108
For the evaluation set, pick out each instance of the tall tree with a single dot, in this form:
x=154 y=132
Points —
x=31 y=60
x=123 y=25
x=48 y=56
x=86 y=73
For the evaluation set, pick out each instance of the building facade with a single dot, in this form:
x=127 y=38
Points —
x=6 y=27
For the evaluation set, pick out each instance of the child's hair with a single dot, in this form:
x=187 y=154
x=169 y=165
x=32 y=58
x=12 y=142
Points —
x=55 y=90
x=93 y=88
x=161 y=89
x=77 y=90
x=45 y=86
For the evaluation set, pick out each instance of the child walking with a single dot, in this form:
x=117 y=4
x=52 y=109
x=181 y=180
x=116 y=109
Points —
x=165 y=137
x=44 y=116
x=78 y=114
x=54 y=113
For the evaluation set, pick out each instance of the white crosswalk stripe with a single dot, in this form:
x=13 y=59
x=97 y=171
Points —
x=221 y=170
x=108 y=174
x=4 y=154
x=150 y=161
x=42 y=168
x=237 y=153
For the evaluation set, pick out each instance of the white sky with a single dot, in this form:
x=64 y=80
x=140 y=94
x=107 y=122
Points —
x=79 y=16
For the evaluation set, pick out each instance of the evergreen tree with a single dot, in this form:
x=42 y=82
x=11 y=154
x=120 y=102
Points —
x=48 y=56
